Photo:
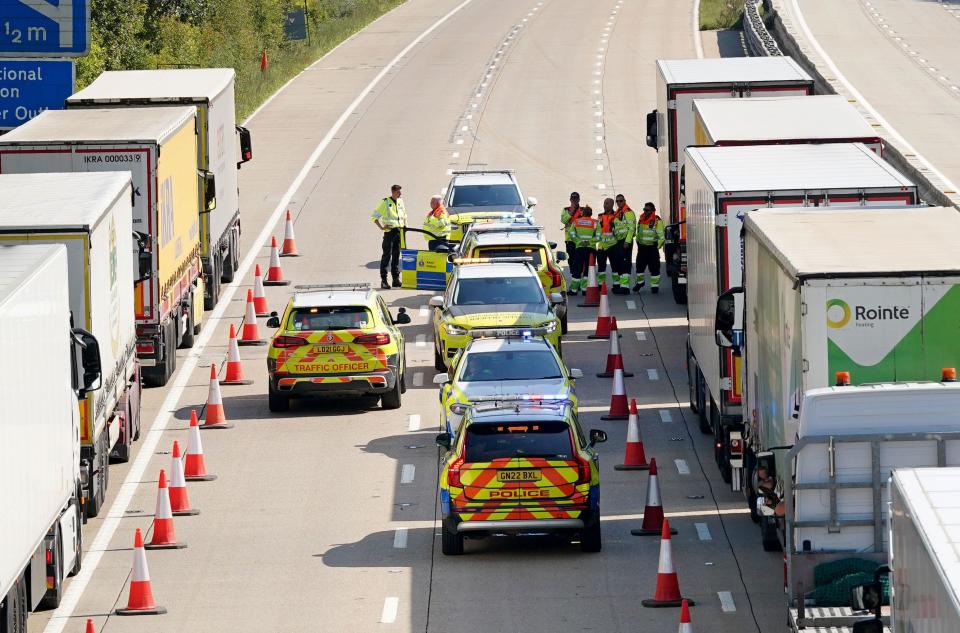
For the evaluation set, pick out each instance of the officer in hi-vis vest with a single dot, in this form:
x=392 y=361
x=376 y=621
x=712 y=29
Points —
x=649 y=243
x=390 y=217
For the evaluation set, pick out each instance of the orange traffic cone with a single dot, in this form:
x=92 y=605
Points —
x=194 y=468
x=234 y=372
x=275 y=273
x=614 y=357
x=667 y=593
x=250 y=333
x=685 y=625
x=259 y=298
x=164 y=534
x=634 y=457
x=618 y=399
x=603 y=317
x=179 y=501
x=591 y=297
x=653 y=520
x=215 y=417
x=89 y=628
x=141 y=600
x=289 y=248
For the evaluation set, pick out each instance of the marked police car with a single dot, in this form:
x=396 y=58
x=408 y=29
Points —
x=482 y=194
x=519 y=466
x=336 y=339
x=507 y=362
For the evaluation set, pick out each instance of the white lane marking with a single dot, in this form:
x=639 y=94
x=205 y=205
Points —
x=631 y=305
x=697 y=42
x=703 y=531
x=101 y=541
x=418 y=379
x=459 y=141
x=599 y=167
x=424 y=311
x=407 y=473
x=449 y=172
x=682 y=467
x=390 y=607
x=641 y=335
x=400 y=538
x=601 y=186
x=726 y=602
x=464 y=128
x=421 y=340
x=652 y=374
x=455 y=155
x=906 y=146
x=413 y=422
x=665 y=415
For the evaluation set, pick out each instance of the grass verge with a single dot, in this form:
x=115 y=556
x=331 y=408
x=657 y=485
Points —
x=720 y=14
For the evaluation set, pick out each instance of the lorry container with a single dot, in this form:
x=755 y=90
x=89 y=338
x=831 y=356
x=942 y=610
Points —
x=158 y=148
x=44 y=367
x=781 y=121
x=670 y=128
x=722 y=184
x=90 y=214
x=222 y=147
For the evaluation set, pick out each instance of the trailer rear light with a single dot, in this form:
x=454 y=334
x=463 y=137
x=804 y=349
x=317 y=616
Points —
x=285 y=342
x=50 y=584
x=843 y=379
x=49 y=556
x=145 y=348
x=736 y=447
x=373 y=339
x=948 y=374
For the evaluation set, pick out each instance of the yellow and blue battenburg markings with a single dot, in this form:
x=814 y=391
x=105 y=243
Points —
x=424 y=270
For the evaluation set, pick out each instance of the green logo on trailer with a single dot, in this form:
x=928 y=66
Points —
x=838 y=313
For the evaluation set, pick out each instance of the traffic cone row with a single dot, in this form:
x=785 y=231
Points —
x=179 y=499
x=618 y=399
x=603 y=316
x=667 y=592
x=215 y=417
x=634 y=457
x=275 y=273
x=614 y=357
x=164 y=534
x=289 y=248
x=250 y=332
x=234 y=369
x=259 y=298
x=591 y=297
x=140 y=600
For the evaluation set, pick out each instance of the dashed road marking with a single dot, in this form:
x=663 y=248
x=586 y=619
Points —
x=703 y=531
x=421 y=340
x=418 y=379
x=652 y=374
x=424 y=310
x=407 y=473
x=413 y=422
x=632 y=305
x=641 y=335
x=459 y=141
x=390 y=607
x=400 y=538
x=726 y=602
x=665 y=415
x=682 y=467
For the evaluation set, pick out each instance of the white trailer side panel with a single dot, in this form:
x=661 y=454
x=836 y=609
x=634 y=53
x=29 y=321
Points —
x=38 y=420
x=219 y=145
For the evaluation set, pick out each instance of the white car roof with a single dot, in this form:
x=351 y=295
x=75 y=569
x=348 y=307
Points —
x=331 y=298
x=513 y=344
x=488 y=270
x=524 y=236
x=485 y=178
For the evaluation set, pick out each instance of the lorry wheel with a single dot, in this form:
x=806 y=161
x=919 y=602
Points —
x=278 y=402
x=590 y=538
x=703 y=415
x=451 y=543
x=768 y=534
x=679 y=291
x=121 y=453
x=692 y=382
x=51 y=599
x=188 y=336
x=228 y=264
x=13 y=610
x=211 y=291
x=78 y=543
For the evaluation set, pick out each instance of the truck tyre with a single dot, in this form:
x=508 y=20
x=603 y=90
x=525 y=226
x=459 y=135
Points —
x=278 y=402
x=121 y=453
x=703 y=414
x=51 y=599
x=78 y=544
x=188 y=336
x=13 y=610
x=692 y=381
x=391 y=399
x=590 y=538
x=769 y=536
x=228 y=262
x=679 y=291
x=451 y=542
x=211 y=292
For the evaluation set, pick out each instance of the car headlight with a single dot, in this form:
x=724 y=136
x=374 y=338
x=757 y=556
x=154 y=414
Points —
x=549 y=326
x=455 y=330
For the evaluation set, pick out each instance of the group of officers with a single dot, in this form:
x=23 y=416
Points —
x=610 y=236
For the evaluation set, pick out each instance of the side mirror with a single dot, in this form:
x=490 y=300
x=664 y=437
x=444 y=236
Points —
x=402 y=317
x=209 y=184
x=652 y=131
x=246 y=145
x=726 y=318
x=556 y=298
x=441 y=379
x=87 y=360
x=552 y=245
x=671 y=233
x=436 y=302
x=576 y=373
x=444 y=440
x=597 y=436
x=866 y=597
x=531 y=202
x=561 y=256
x=273 y=321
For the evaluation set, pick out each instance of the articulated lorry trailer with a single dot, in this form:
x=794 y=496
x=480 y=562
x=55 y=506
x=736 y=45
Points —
x=222 y=148
x=781 y=121
x=670 y=128
x=45 y=366
x=723 y=183
x=91 y=215
x=158 y=148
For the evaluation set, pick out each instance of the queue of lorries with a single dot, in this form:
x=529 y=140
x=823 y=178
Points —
x=822 y=343
x=119 y=220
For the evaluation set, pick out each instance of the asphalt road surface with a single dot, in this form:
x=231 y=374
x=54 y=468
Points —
x=325 y=518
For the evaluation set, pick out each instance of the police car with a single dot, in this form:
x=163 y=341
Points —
x=517 y=466
x=487 y=294
x=336 y=339
x=515 y=362
x=474 y=195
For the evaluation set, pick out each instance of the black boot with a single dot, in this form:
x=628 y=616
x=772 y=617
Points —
x=654 y=290
x=384 y=285
x=396 y=282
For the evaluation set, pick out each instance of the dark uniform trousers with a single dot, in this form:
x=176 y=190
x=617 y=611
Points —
x=390 y=254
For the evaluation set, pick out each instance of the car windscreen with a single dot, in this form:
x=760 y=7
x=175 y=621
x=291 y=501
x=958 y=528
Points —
x=533 y=252
x=485 y=196
x=489 y=441
x=511 y=365
x=497 y=291
x=331 y=318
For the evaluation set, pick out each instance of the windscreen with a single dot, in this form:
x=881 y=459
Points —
x=485 y=196
x=549 y=440
x=332 y=318
x=534 y=252
x=509 y=365
x=497 y=291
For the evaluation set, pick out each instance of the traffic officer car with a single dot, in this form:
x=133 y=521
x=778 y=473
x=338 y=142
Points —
x=507 y=362
x=480 y=194
x=521 y=240
x=337 y=339
x=520 y=466
x=487 y=294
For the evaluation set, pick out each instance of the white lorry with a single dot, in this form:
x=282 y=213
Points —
x=158 y=148
x=211 y=90
x=670 y=128
x=723 y=183
x=781 y=121
x=45 y=365
x=91 y=215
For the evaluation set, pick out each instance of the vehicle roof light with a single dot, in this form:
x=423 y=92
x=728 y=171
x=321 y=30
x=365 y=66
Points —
x=948 y=374
x=492 y=260
x=509 y=332
x=843 y=379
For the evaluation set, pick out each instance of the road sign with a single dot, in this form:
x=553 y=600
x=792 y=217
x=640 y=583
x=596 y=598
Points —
x=59 y=28
x=30 y=86
x=295 y=28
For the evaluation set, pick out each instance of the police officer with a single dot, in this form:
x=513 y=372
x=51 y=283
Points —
x=608 y=246
x=568 y=217
x=390 y=216
x=584 y=241
x=649 y=243
x=625 y=228
x=437 y=223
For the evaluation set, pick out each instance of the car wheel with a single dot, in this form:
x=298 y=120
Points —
x=391 y=399
x=403 y=380
x=590 y=540
x=451 y=543
x=438 y=363
x=278 y=402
